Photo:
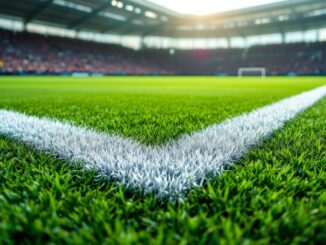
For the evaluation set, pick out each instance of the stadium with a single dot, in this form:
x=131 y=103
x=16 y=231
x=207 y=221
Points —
x=162 y=122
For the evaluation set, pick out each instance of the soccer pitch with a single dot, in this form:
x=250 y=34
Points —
x=273 y=194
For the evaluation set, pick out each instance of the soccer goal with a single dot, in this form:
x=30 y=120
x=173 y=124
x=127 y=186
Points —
x=252 y=71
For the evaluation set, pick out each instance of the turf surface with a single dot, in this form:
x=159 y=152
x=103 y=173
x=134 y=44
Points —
x=274 y=195
x=151 y=110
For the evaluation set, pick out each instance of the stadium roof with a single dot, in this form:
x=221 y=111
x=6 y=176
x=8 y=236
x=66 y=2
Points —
x=145 y=18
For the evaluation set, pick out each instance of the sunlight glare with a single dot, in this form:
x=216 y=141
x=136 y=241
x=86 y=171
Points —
x=202 y=7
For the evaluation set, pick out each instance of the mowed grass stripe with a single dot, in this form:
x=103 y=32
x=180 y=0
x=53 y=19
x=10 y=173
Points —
x=274 y=195
x=166 y=171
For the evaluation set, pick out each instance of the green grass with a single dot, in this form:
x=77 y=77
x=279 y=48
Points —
x=151 y=110
x=275 y=194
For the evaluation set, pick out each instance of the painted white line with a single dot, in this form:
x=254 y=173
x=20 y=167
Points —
x=167 y=171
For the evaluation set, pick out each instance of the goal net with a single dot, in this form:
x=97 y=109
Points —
x=252 y=71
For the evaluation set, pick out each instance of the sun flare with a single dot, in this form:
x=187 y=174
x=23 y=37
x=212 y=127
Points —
x=209 y=6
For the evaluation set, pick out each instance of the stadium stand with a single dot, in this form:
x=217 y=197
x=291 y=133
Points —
x=37 y=54
x=281 y=59
x=289 y=32
x=26 y=53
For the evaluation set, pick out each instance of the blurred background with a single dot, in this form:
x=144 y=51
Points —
x=162 y=37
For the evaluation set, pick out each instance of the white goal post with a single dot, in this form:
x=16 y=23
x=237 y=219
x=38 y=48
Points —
x=252 y=71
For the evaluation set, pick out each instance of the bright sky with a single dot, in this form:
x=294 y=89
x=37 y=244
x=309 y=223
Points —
x=202 y=7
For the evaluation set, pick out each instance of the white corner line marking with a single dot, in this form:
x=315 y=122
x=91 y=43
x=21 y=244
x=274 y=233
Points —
x=167 y=171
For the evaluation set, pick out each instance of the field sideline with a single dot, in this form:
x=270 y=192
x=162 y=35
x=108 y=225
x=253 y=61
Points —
x=273 y=195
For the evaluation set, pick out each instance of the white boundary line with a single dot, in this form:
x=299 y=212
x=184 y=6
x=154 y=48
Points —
x=169 y=170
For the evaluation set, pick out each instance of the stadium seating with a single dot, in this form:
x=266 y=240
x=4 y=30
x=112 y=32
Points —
x=30 y=53
x=26 y=53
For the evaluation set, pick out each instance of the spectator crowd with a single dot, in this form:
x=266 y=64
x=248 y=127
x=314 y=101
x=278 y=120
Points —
x=26 y=53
